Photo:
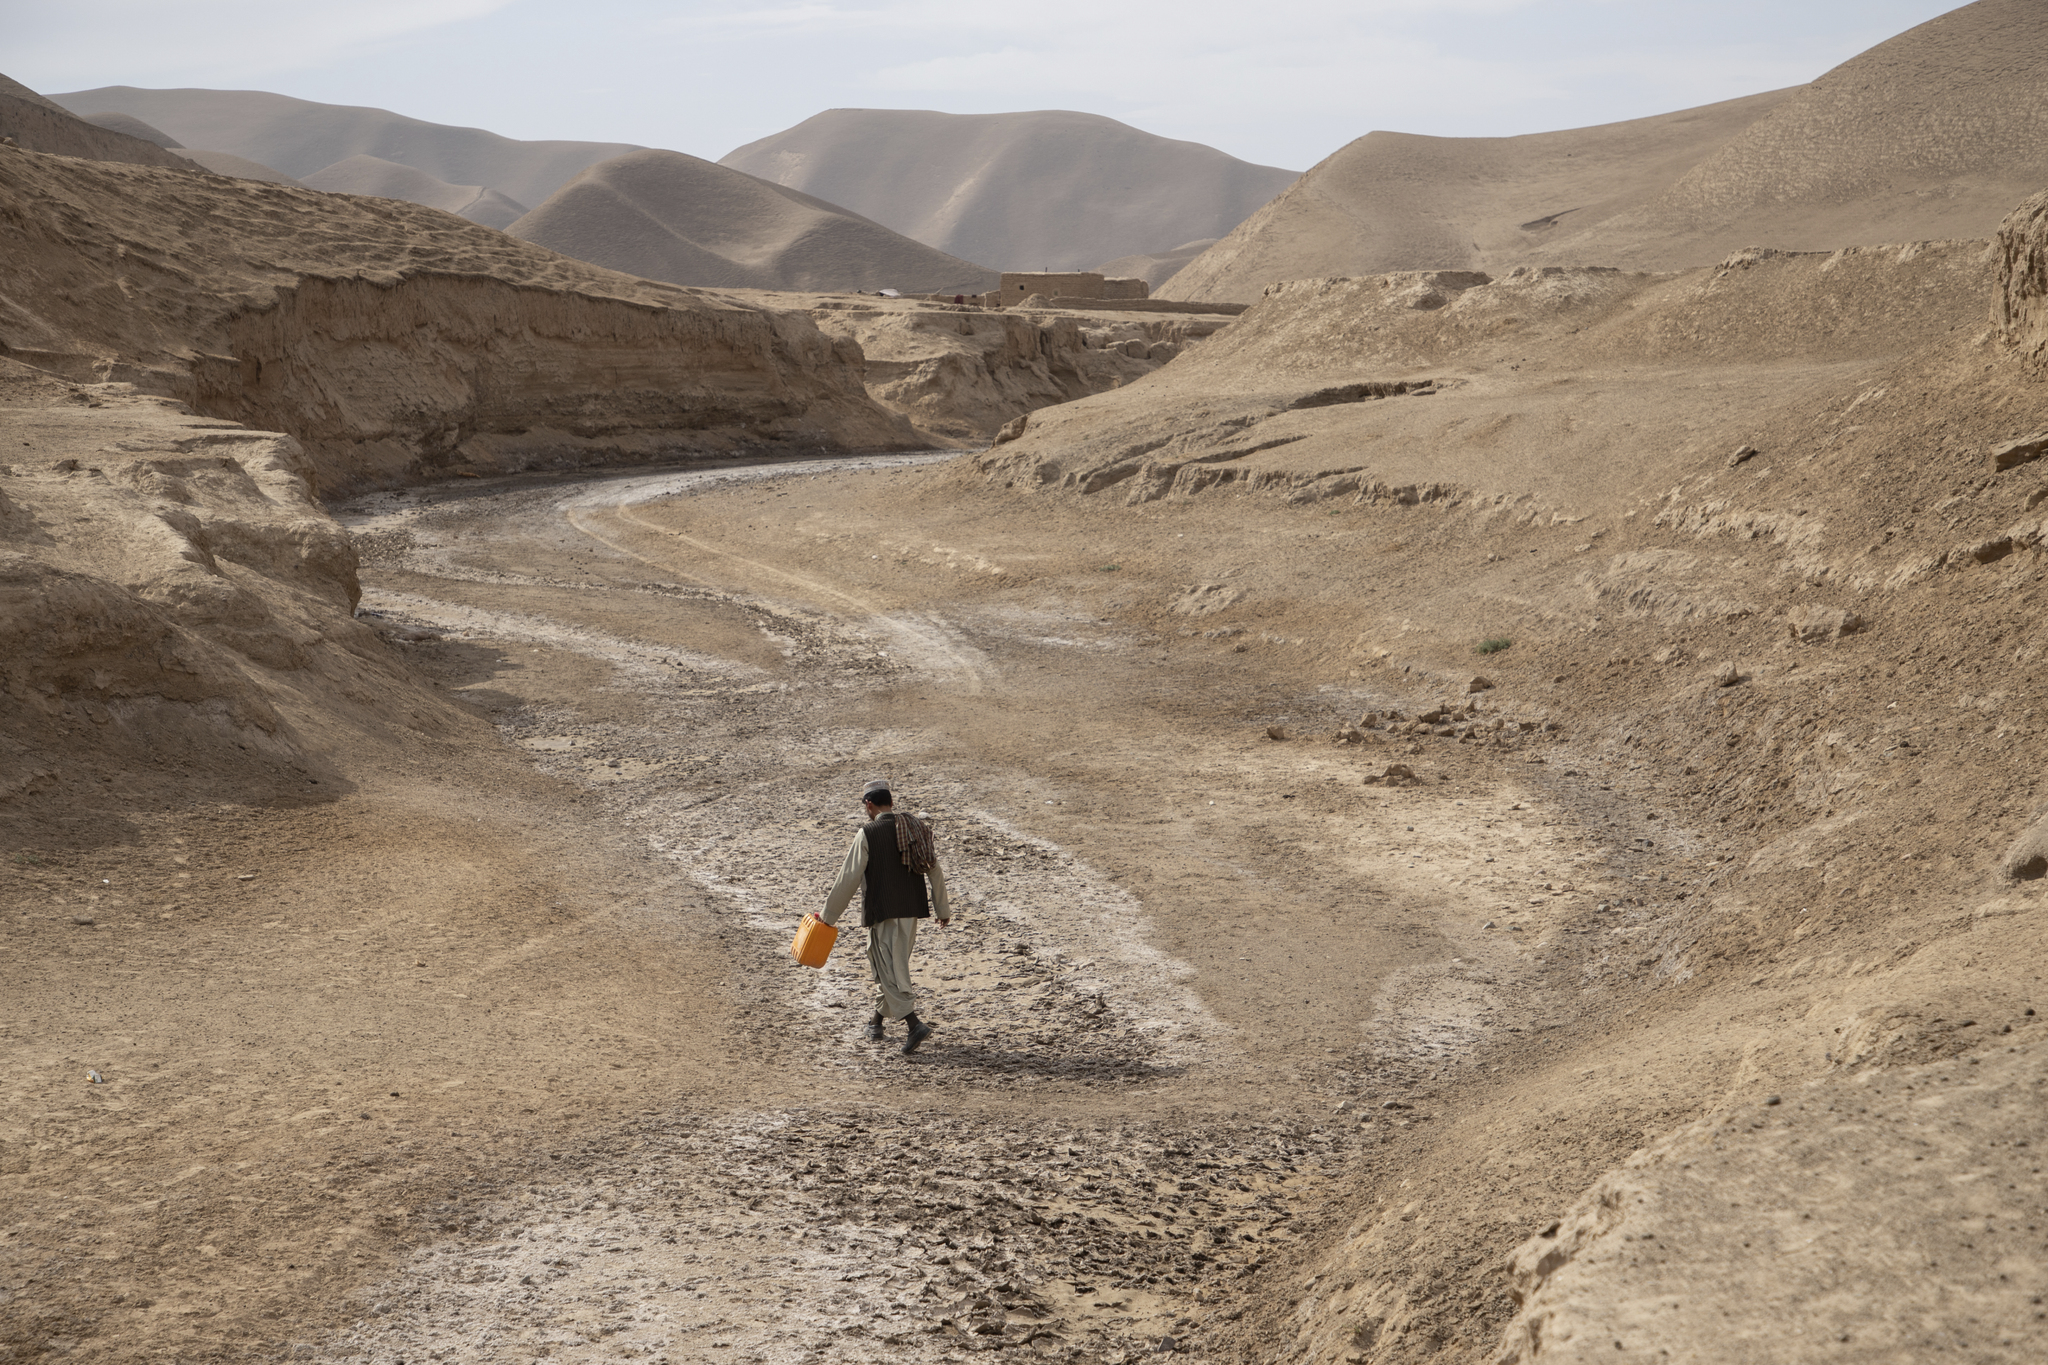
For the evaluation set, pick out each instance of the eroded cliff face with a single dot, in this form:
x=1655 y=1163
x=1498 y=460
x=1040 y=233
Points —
x=433 y=374
x=2021 y=306
x=961 y=373
x=176 y=613
x=393 y=340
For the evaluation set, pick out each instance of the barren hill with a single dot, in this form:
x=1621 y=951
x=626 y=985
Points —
x=1050 y=189
x=220 y=163
x=668 y=216
x=1935 y=133
x=1400 y=201
x=131 y=126
x=388 y=180
x=1155 y=267
x=41 y=125
x=302 y=137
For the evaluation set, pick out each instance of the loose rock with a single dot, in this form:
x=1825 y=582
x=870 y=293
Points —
x=2013 y=454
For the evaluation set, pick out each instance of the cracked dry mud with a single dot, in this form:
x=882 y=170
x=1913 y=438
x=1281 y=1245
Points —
x=1202 y=984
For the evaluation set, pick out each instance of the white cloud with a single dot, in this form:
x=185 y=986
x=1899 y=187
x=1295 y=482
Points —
x=199 y=42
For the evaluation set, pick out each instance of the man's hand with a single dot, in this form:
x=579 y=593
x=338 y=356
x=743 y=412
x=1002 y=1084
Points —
x=944 y=922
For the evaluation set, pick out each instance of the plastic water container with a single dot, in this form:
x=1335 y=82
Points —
x=813 y=942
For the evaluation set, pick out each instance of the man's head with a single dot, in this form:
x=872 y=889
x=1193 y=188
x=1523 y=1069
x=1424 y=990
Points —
x=876 y=797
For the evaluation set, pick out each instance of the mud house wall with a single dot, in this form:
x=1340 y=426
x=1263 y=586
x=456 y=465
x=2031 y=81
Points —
x=1019 y=285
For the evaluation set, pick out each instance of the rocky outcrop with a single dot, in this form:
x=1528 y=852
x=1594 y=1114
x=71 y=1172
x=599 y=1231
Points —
x=2021 y=306
x=424 y=376
x=963 y=373
x=395 y=341
x=175 y=608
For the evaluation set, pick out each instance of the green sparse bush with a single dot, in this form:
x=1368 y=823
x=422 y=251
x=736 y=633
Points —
x=1492 y=645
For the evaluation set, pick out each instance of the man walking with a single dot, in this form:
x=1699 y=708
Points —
x=892 y=858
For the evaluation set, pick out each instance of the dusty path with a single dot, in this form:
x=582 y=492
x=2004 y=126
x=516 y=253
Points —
x=1203 y=985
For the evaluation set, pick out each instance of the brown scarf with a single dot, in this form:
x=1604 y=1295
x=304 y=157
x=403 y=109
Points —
x=915 y=843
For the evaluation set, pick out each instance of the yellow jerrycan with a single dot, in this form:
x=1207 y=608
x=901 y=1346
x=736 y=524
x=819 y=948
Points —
x=813 y=942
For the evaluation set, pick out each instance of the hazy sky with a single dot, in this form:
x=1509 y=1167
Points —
x=1284 y=82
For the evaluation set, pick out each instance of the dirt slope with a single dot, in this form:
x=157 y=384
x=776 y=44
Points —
x=131 y=126
x=1155 y=268
x=41 y=125
x=240 y=167
x=383 y=179
x=300 y=137
x=1936 y=133
x=1400 y=201
x=667 y=216
x=1750 y=537
x=1933 y=134
x=1046 y=190
x=390 y=338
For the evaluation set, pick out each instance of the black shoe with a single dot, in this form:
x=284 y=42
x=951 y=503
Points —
x=873 y=1032
x=919 y=1031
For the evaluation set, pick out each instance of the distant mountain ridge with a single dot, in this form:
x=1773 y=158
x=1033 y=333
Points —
x=1051 y=189
x=669 y=216
x=302 y=138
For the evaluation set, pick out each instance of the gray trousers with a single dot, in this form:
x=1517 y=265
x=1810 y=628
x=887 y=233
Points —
x=889 y=945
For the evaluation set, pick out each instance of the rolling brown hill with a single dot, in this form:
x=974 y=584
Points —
x=383 y=179
x=220 y=163
x=40 y=125
x=1155 y=267
x=1400 y=201
x=1046 y=190
x=302 y=137
x=668 y=216
x=1935 y=133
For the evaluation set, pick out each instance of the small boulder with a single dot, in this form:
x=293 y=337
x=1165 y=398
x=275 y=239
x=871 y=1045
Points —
x=1727 y=675
x=2027 y=859
x=1205 y=599
x=1276 y=732
x=2013 y=454
x=1012 y=429
x=1812 y=625
x=1742 y=455
x=1478 y=685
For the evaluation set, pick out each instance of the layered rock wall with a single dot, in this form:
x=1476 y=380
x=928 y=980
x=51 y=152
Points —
x=384 y=382
x=2020 y=307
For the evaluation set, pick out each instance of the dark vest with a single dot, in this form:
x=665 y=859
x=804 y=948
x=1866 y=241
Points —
x=890 y=890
